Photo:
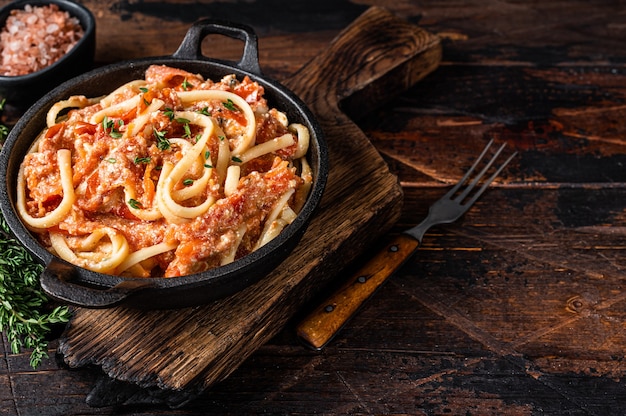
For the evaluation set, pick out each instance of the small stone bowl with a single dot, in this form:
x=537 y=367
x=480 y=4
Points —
x=23 y=90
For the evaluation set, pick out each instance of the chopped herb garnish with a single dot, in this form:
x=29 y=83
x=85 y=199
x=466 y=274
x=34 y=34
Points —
x=188 y=182
x=204 y=111
x=162 y=142
x=169 y=113
x=110 y=128
x=143 y=89
x=187 y=131
x=186 y=85
x=134 y=204
x=207 y=156
x=186 y=127
x=229 y=104
x=236 y=159
x=140 y=160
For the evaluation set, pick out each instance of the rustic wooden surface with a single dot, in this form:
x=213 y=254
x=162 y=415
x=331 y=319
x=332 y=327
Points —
x=519 y=307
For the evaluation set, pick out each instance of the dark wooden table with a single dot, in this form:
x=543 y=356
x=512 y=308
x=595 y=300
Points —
x=519 y=307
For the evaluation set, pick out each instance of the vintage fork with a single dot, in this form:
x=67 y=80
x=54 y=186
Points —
x=323 y=323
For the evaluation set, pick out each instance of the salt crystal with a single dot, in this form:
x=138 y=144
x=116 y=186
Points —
x=52 y=27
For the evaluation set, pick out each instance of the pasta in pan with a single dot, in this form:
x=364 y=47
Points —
x=166 y=176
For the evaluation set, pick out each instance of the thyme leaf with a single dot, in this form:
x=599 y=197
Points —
x=169 y=113
x=25 y=313
x=141 y=160
x=186 y=127
x=204 y=111
x=134 y=203
x=162 y=142
x=4 y=130
x=111 y=128
x=229 y=104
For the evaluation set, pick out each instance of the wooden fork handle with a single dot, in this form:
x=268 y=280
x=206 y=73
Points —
x=325 y=321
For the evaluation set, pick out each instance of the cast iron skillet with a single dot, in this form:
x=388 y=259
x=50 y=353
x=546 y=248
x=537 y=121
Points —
x=75 y=285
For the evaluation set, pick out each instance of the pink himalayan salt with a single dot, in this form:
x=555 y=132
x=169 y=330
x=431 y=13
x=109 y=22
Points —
x=36 y=37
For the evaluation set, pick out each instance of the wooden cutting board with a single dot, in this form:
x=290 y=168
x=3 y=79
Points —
x=188 y=350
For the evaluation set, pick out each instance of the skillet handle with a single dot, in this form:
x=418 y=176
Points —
x=191 y=46
x=56 y=283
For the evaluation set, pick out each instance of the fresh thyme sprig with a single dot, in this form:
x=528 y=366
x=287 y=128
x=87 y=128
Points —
x=25 y=312
x=25 y=315
x=4 y=130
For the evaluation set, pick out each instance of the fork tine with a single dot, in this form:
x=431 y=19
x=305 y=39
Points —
x=469 y=172
x=488 y=181
x=471 y=186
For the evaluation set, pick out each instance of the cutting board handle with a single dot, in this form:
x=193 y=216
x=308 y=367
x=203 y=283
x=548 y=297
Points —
x=370 y=62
